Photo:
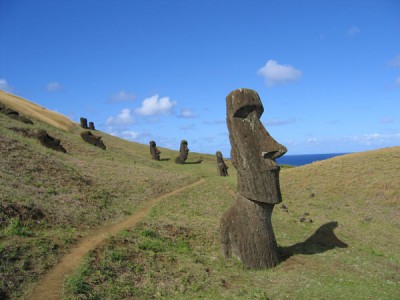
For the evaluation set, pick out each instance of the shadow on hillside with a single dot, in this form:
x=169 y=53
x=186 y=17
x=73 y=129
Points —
x=322 y=240
x=193 y=162
x=164 y=159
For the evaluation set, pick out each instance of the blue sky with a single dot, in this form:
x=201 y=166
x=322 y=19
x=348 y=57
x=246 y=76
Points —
x=328 y=72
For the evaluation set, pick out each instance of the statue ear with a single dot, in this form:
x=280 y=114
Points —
x=235 y=158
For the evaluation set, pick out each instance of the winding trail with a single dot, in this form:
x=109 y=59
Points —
x=51 y=285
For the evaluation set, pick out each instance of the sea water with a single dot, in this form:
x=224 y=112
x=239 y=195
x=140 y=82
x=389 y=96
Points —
x=304 y=159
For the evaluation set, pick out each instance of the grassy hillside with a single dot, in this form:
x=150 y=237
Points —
x=338 y=228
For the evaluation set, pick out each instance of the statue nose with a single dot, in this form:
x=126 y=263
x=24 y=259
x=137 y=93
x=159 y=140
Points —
x=273 y=154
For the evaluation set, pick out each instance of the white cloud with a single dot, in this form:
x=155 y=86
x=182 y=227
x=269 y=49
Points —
x=188 y=127
x=4 y=85
x=129 y=134
x=124 y=118
x=124 y=134
x=353 y=31
x=397 y=81
x=377 y=138
x=277 y=122
x=313 y=141
x=387 y=120
x=372 y=139
x=215 y=122
x=275 y=73
x=123 y=96
x=154 y=106
x=186 y=113
x=53 y=86
x=395 y=62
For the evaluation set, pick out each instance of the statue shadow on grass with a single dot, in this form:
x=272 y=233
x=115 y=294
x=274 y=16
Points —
x=164 y=159
x=322 y=240
x=193 y=162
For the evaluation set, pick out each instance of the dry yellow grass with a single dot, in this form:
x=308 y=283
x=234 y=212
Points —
x=30 y=109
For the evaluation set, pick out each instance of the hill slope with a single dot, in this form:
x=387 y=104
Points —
x=338 y=230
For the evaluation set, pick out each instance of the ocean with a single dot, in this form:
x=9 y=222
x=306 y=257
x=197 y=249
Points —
x=305 y=159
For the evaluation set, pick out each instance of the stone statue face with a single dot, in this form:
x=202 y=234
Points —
x=219 y=157
x=253 y=149
x=184 y=150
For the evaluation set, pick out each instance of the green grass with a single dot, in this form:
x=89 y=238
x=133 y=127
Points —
x=322 y=268
x=51 y=200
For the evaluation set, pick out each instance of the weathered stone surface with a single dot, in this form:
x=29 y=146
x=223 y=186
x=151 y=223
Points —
x=183 y=152
x=48 y=141
x=246 y=228
x=91 y=126
x=90 y=138
x=84 y=123
x=253 y=150
x=155 y=153
x=221 y=166
x=247 y=233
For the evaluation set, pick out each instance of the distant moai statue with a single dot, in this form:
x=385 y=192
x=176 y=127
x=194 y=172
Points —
x=155 y=153
x=91 y=126
x=221 y=166
x=48 y=141
x=246 y=228
x=14 y=114
x=90 y=138
x=183 y=152
x=84 y=123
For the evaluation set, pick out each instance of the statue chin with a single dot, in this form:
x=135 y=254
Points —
x=264 y=187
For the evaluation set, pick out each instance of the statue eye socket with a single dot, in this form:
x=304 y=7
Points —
x=244 y=111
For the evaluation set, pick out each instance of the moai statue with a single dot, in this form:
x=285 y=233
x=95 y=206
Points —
x=183 y=153
x=221 y=166
x=91 y=126
x=50 y=142
x=84 y=123
x=95 y=140
x=14 y=114
x=246 y=228
x=155 y=153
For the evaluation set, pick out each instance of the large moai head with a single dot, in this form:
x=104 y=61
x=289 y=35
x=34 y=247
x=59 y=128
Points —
x=155 y=153
x=91 y=126
x=253 y=151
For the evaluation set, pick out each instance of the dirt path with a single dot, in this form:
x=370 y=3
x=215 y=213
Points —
x=51 y=285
